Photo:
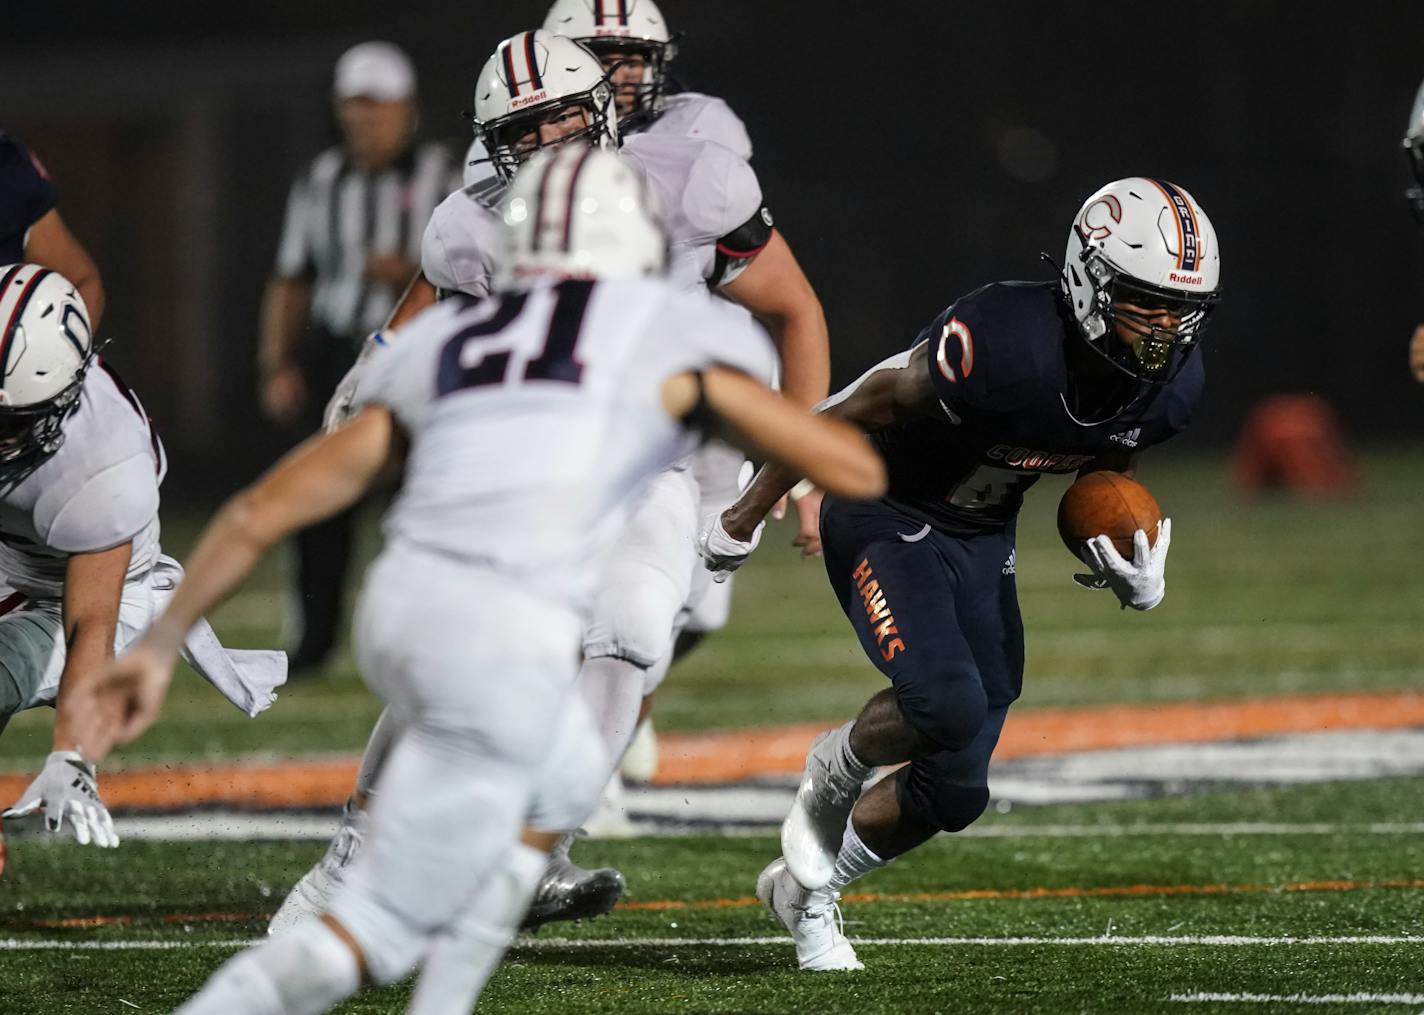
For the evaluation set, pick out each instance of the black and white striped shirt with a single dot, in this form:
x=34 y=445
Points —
x=338 y=213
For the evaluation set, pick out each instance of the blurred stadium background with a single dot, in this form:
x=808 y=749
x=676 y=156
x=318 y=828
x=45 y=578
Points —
x=910 y=153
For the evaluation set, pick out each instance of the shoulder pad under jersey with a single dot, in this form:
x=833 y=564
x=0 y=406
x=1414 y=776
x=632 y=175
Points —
x=997 y=348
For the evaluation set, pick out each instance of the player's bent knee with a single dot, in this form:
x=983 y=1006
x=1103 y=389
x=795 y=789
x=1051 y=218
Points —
x=935 y=803
x=637 y=626
x=390 y=945
x=949 y=716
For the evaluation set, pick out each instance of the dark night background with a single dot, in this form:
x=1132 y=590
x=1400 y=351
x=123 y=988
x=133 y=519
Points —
x=910 y=152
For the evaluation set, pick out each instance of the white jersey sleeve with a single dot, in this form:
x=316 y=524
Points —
x=704 y=118
x=707 y=192
x=109 y=508
x=98 y=490
x=461 y=242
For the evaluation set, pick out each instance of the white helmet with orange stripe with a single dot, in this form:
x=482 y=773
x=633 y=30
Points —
x=541 y=89
x=578 y=212
x=1142 y=272
x=633 y=31
x=45 y=349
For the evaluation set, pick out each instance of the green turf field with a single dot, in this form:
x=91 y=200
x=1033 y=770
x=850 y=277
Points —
x=1082 y=886
x=1271 y=597
x=1313 y=892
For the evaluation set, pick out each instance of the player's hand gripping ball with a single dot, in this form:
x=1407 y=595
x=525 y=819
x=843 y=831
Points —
x=1107 y=504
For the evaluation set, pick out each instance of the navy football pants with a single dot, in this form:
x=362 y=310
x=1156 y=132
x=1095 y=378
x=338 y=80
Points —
x=938 y=615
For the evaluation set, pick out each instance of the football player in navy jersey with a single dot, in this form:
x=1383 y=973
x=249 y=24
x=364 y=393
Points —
x=1013 y=381
x=31 y=229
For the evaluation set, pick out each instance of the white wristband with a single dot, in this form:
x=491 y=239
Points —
x=802 y=489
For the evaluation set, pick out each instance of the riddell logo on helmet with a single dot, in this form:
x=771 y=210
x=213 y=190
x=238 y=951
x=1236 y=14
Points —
x=526 y=100
x=1188 y=279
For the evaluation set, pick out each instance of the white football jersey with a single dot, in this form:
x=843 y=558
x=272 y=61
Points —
x=703 y=118
x=704 y=189
x=536 y=418
x=98 y=490
x=462 y=240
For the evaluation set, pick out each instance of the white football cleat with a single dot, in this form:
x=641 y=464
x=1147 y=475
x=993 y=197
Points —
x=310 y=896
x=812 y=832
x=813 y=918
x=640 y=760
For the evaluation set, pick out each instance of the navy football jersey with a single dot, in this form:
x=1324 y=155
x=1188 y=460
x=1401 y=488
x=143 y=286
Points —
x=997 y=362
x=26 y=195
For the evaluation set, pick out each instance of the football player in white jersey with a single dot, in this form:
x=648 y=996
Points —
x=635 y=44
x=80 y=467
x=632 y=39
x=538 y=90
x=501 y=411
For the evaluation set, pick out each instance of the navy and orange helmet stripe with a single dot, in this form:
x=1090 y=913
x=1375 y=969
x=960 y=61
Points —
x=1188 y=232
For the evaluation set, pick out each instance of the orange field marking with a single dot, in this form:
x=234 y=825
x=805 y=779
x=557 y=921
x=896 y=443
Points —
x=744 y=754
x=747 y=901
x=733 y=756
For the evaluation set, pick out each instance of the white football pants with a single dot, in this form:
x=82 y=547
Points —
x=478 y=672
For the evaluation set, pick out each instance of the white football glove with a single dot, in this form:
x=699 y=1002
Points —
x=68 y=788
x=720 y=552
x=338 y=407
x=1141 y=582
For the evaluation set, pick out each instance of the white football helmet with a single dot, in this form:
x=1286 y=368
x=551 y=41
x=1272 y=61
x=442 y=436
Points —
x=532 y=79
x=45 y=349
x=623 y=27
x=578 y=212
x=1414 y=149
x=1139 y=247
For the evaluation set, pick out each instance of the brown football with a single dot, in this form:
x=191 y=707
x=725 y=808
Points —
x=1107 y=504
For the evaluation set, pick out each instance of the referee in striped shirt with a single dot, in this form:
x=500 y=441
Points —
x=350 y=242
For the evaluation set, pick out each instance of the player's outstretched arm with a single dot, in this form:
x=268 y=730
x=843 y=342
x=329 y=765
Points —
x=775 y=289
x=67 y=787
x=93 y=589
x=418 y=295
x=317 y=480
x=50 y=243
x=895 y=391
x=829 y=452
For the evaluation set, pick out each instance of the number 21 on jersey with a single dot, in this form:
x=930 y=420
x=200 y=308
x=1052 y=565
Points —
x=473 y=358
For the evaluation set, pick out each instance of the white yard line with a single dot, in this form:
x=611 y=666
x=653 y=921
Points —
x=1224 y=828
x=19 y=944
x=759 y=811
x=540 y=943
x=1354 y=998
x=1110 y=941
